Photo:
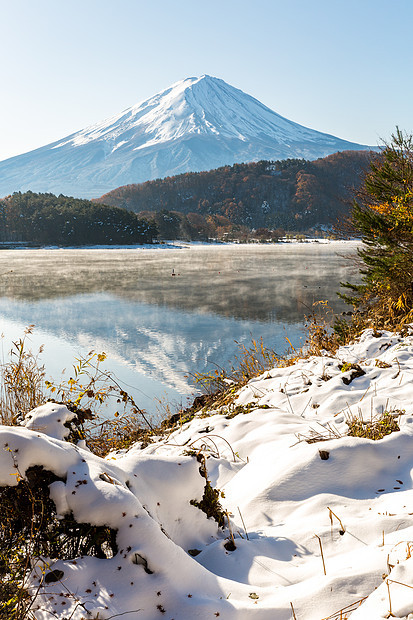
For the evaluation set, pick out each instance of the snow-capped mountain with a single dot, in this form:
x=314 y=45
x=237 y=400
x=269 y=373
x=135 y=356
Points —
x=196 y=124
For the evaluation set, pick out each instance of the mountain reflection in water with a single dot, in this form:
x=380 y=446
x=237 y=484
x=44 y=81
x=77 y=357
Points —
x=157 y=328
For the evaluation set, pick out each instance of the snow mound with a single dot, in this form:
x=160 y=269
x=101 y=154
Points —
x=322 y=521
x=50 y=419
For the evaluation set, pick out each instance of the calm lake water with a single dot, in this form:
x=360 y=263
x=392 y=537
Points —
x=156 y=328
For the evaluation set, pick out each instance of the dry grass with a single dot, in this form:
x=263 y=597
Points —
x=323 y=433
x=119 y=433
x=23 y=388
x=345 y=612
x=222 y=386
x=22 y=382
x=256 y=359
x=250 y=362
x=376 y=428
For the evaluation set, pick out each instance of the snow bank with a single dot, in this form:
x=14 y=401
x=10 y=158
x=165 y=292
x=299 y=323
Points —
x=318 y=526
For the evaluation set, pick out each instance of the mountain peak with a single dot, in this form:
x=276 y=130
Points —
x=196 y=124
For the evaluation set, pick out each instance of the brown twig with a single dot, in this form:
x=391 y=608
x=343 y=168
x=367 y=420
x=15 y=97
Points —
x=390 y=614
x=338 y=615
x=333 y=514
x=245 y=529
x=322 y=554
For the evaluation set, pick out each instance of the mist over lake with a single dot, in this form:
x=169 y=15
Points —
x=158 y=328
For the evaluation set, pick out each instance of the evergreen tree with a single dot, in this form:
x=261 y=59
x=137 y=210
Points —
x=383 y=214
x=62 y=220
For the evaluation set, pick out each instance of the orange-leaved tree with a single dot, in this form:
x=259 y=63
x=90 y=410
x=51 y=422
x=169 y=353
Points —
x=383 y=215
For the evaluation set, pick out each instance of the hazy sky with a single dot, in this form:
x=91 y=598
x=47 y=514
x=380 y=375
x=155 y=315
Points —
x=339 y=66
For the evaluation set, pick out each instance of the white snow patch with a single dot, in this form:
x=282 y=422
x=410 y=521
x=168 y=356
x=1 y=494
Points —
x=50 y=420
x=283 y=499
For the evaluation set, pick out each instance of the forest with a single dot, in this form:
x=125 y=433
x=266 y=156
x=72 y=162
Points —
x=262 y=200
x=61 y=220
x=293 y=195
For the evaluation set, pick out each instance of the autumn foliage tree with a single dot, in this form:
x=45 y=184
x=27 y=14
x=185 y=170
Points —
x=383 y=214
x=293 y=194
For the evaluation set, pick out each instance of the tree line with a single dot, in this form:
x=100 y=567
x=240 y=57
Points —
x=265 y=197
x=62 y=220
x=292 y=194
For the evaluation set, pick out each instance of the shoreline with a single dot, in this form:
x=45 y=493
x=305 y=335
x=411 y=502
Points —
x=175 y=245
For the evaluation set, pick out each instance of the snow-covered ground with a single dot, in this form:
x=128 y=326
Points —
x=318 y=527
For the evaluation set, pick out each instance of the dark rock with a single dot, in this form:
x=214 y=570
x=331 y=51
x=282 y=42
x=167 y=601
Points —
x=53 y=576
x=230 y=545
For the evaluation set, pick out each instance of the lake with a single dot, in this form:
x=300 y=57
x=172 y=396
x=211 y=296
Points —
x=157 y=328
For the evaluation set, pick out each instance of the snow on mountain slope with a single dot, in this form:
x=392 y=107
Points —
x=196 y=124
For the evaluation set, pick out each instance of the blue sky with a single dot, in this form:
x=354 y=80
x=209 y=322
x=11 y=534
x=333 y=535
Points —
x=339 y=66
